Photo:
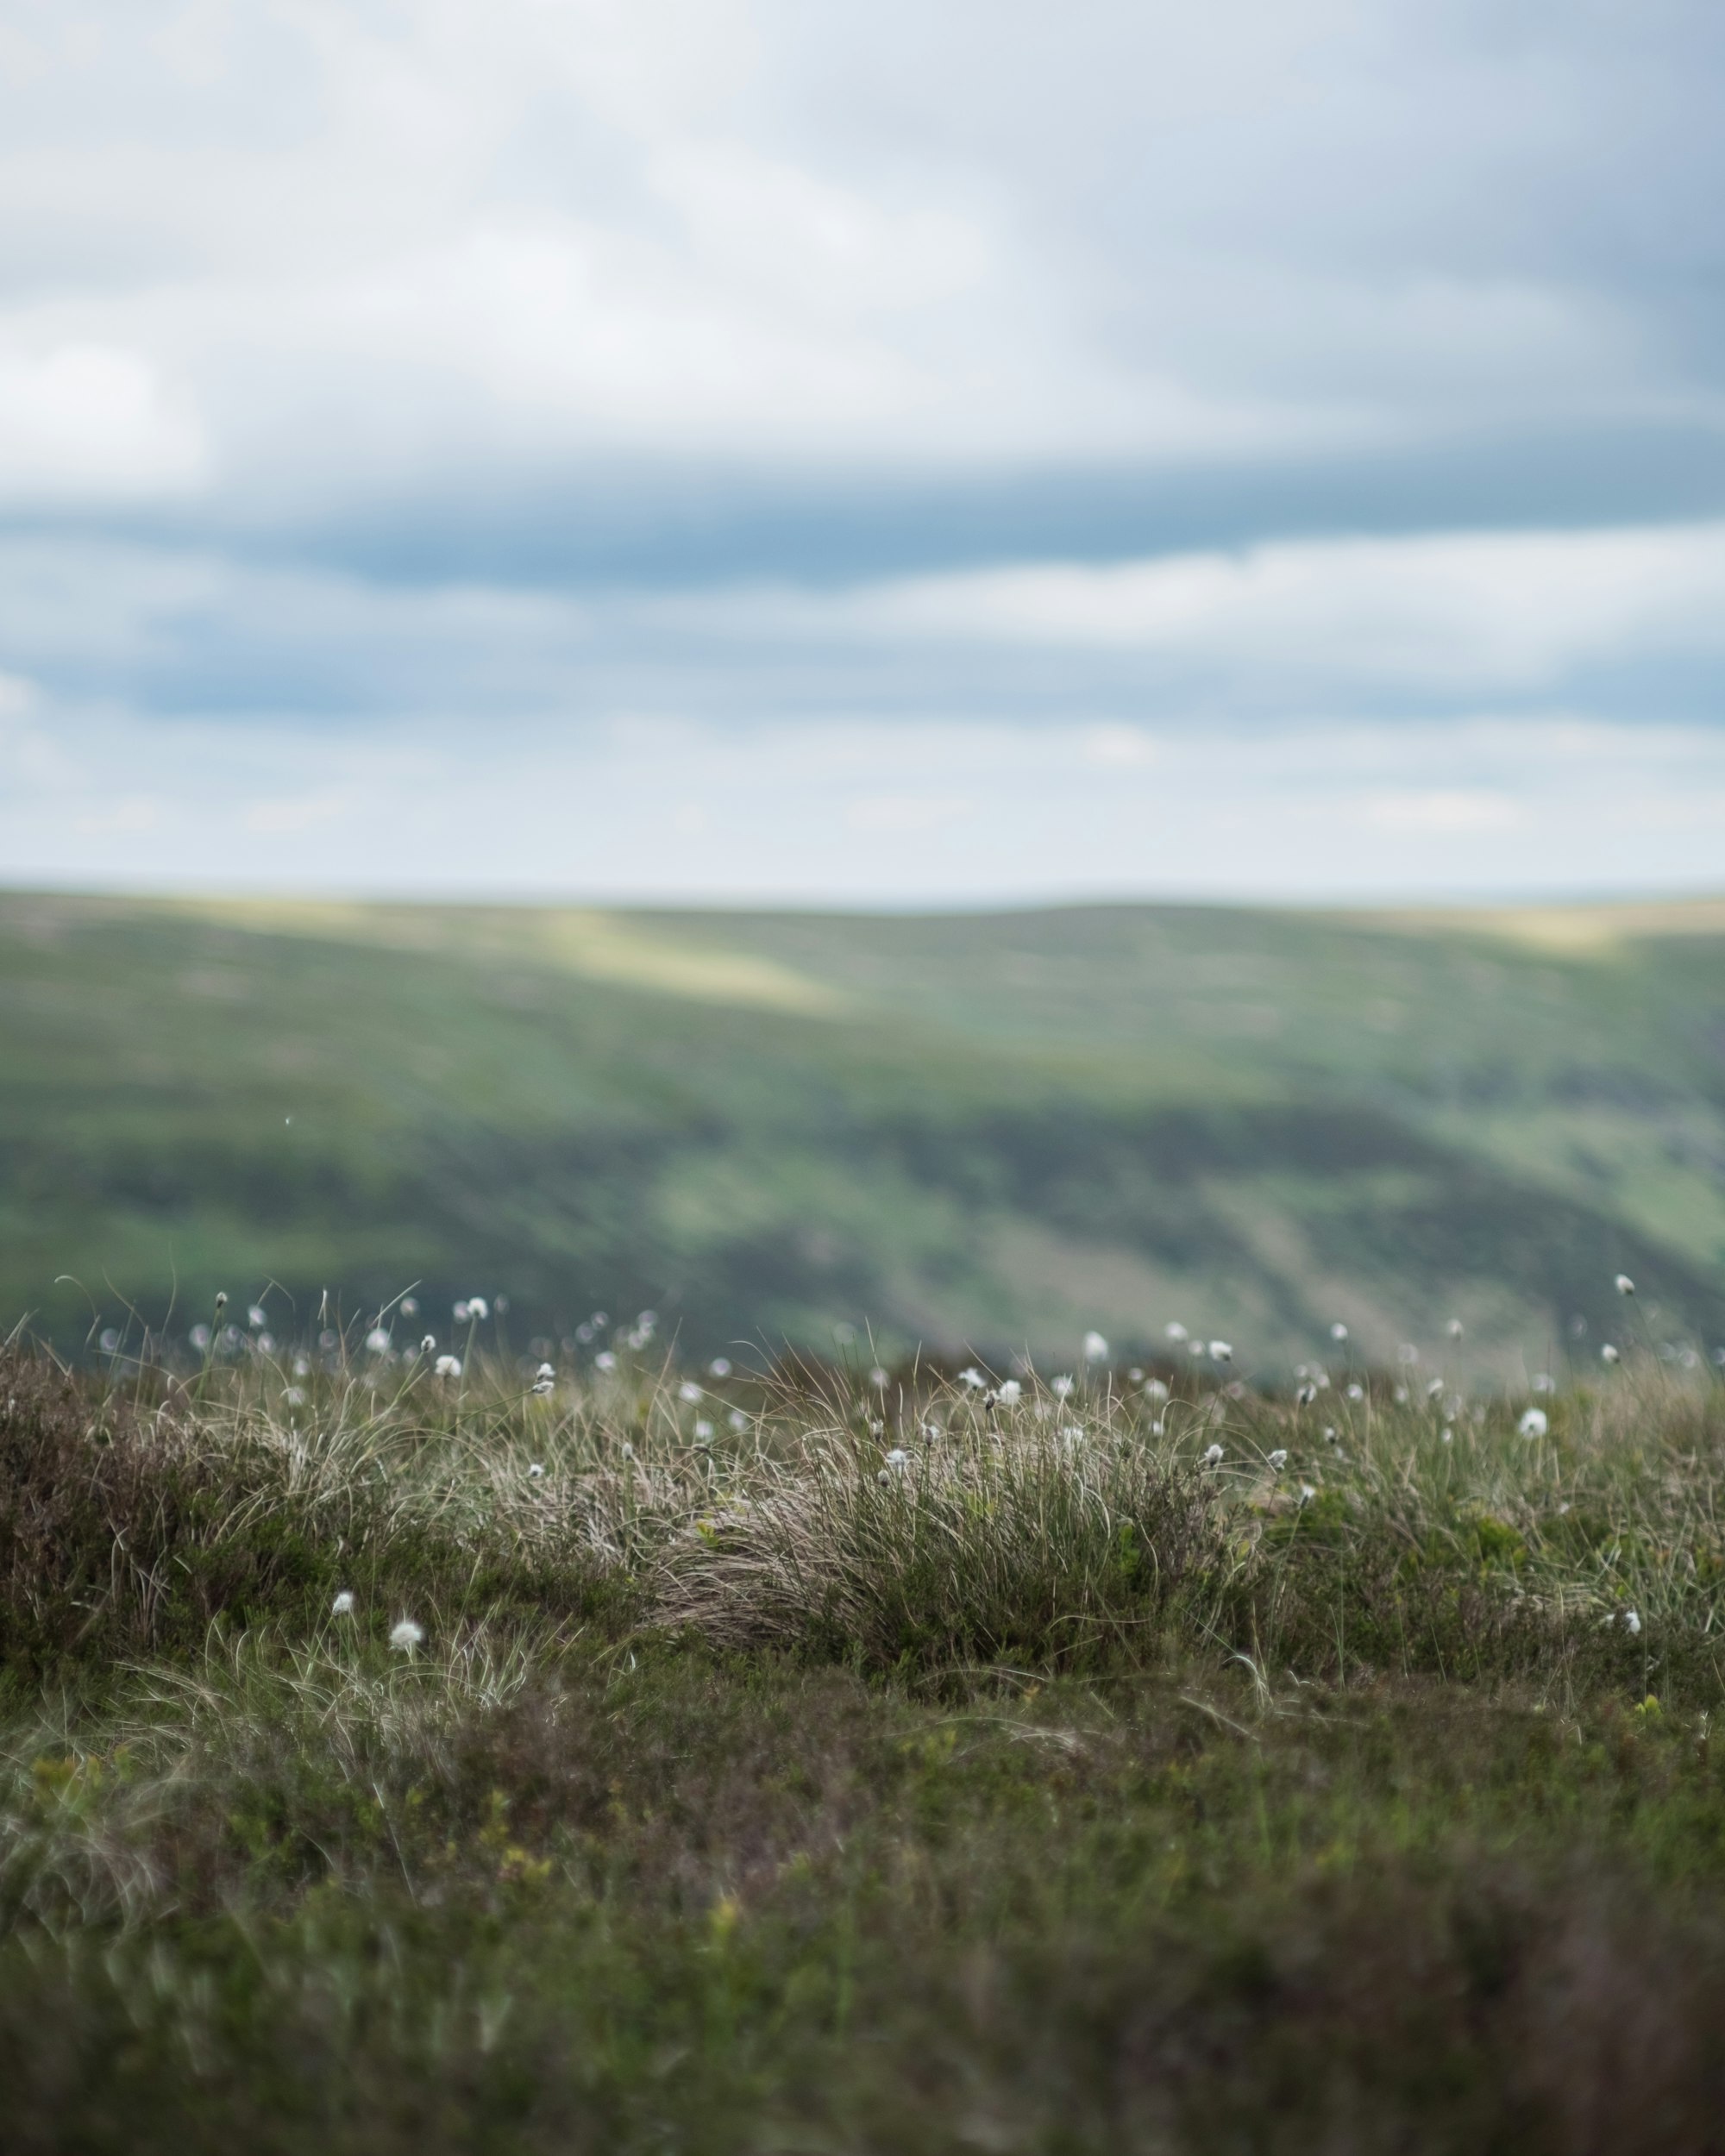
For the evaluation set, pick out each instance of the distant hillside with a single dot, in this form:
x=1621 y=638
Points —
x=990 y=1131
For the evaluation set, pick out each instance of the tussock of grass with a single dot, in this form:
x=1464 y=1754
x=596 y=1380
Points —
x=1054 y=1785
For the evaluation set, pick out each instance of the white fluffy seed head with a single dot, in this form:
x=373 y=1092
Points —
x=343 y=1604
x=405 y=1635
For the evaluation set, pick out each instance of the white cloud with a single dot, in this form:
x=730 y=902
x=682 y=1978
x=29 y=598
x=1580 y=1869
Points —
x=797 y=811
x=355 y=245
x=1444 y=809
x=337 y=281
x=906 y=812
x=89 y=422
x=1442 y=611
x=1116 y=747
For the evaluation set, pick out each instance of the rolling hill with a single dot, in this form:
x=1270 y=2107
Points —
x=988 y=1130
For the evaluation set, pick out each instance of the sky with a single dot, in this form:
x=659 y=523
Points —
x=937 y=452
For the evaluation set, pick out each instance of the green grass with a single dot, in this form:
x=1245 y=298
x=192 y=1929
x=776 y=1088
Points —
x=992 y=1131
x=1070 y=1788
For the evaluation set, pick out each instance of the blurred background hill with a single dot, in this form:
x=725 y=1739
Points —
x=975 y=1130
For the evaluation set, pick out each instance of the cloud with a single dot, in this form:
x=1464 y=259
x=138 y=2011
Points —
x=376 y=251
x=1426 y=610
x=964 y=422
x=1443 y=810
x=1435 y=612
x=797 y=812
x=91 y=423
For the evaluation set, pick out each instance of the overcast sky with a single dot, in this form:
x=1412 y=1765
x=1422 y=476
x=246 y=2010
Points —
x=939 y=451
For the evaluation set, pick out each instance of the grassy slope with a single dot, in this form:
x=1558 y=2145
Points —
x=990 y=1128
x=1162 y=1812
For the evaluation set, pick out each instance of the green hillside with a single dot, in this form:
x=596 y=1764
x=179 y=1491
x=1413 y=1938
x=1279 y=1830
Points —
x=991 y=1129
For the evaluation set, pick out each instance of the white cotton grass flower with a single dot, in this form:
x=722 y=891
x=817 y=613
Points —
x=1306 y=1394
x=880 y=1379
x=378 y=1340
x=973 y=1380
x=1175 y=1332
x=1535 y=1424
x=604 y=1360
x=428 y=1345
x=703 y=1432
x=1624 y=1285
x=1155 y=1390
x=449 y=1366
x=1356 y=1392
x=536 y=1470
x=545 y=1381
x=1609 y=1354
x=1221 y=1351
x=295 y=1395
x=1543 y=1381
x=1433 y=1388
x=1010 y=1393
x=1212 y=1456
x=1449 y=1433
x=1096 y=1347
x=688 y=1391
x=627 y=1449
x=405 y=1635
x=1455 y=1328
x=1631 y=1620
x=738 y=1420
x=1338 y=1331
x=1061 y=1388
x=255 y=1316
x=409 y=1306
x=1307 y=1494
x=1276 y=1460
x=719 y=1367
x=343 y=1604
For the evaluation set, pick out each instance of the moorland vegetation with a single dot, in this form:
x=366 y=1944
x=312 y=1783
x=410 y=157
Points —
x=438 y=1750
x=992 y=1129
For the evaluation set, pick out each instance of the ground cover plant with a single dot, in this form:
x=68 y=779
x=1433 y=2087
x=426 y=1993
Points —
x=963 y=1129
x=442 y=1751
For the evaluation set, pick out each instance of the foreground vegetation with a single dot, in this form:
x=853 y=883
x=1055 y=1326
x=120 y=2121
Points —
x=966 y=1128
x=847 y=1760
